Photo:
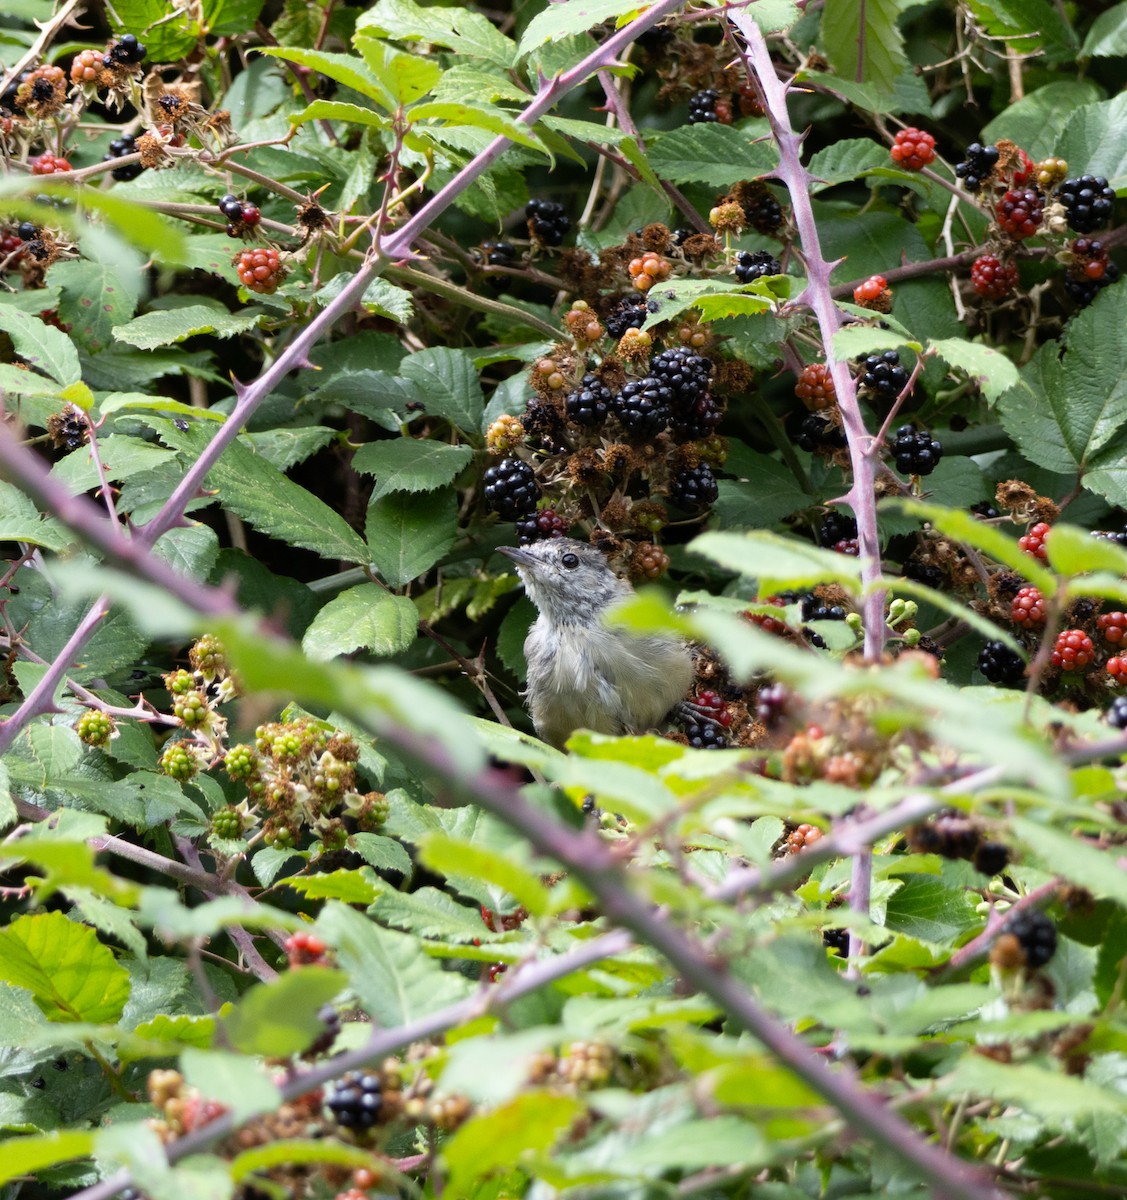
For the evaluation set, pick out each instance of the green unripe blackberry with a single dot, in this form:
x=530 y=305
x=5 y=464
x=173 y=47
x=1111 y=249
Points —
x=227 y=824
x=192 y=709
x=94 y=727
x=178 y=762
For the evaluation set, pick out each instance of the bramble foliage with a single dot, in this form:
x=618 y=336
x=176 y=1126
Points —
x=809 y=314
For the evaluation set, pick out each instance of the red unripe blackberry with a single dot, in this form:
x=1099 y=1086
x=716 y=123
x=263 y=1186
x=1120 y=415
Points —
x=1034 y=541
x=48 y=164
x=11 y=248
x=771 y=702
x=913 y=149
x=1073 y=650
x=992 y=278
x=713 y=703
x=547 y=523
x=1113 y=626
x=250 y=214
x=1117 y=668
x=1028 y=608
x=874 y=293
x=305 y=949
x=260 y=270
x=750 y=104
x=815 y=387
x=1020 y=211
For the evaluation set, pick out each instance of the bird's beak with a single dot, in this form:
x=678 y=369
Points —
x=521 y=557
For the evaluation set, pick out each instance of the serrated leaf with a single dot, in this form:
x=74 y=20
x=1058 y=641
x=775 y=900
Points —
x=1032 y=25
x=429 y=913
x=21 y=521
x=846 y=160
x=26 y=1155
x=470 y=33
x=1107 y=37
x=1096 y=136
x=568 y=17
x=407 y=534
x=455 y=856
x=347 y=69
x=353 y=887
x=492 y=120
x=70 y=974
x=719 y=155
x=1037 y=120
x=993 y=370
x=339 y=110
x=410 y=464
x=366 y=617
x=393 y=981
x=1093 y=867
x=776 y=562
x=447 y=382
x=95 y=297
x=43 y=347
x=169 y=326
x=283 y=1017
x=383 y=853
x=1073 y=551
x=284 y=1153
x=863 y=41
x=405 y=77
x=714 y=298
x=261 y=495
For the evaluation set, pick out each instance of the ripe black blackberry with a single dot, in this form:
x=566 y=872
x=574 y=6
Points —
x=355 y=1099
x=693 y=488
x=884 y=375
x=925 y=573
x=836 y=527
x=705 y=735
x=628 y=313
x=991 y=858
x=127 y=51
x=119 y=148
x=1083 y=288
x=590 y=402
x=978 y=166
x=756 y=264
x=836 y=941
x=761 y=210
x=26 y=231
x=814 y=608
x=498 y=254
x=544 y=426
x=702 y=107
x=818 y=432
x=643 y=407
x=1116 y=714
x=698 y=420
x=1119 y=538
x=511 y=489
x=548 y=222
x=916 y=452
x=540 y=527
x=771 y=703
x=985 y=510
x=1035 y=933
x=1000 y=664
x=1088 y=202
x=684 y=373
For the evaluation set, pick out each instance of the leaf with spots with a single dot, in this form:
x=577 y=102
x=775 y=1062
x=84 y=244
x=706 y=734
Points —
x=95 y=297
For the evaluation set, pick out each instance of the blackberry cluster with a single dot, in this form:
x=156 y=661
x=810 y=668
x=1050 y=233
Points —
x=698 y=419
x=761 y=210
x=119 y=148
x=541 y=526
x=127 y=51
x=643 y=407
x=548 y=223
x=498 y=254
x=925 y=573
x=1118 y=537
x=1116 y=715
x=814 y=608
x=1035 y=933
x=916 y=452
x=836 y=527
x=627 y=314
x=705 y=735
x=978 y=166
x=684 y=373
x=355 y=1100
x=511 y=489
x=702 y=107
x=1000 y=664
x=756 y=264
x=1091 y=271
x=694 y=488
x=1020 y=212
x=1088 y=202
x=884 y=375
x=771 y=702
x=590 y=402
x=818 y=432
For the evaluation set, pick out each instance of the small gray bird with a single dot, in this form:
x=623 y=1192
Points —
x=581 y=674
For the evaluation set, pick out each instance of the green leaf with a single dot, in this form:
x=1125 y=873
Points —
x=1096 y=135
x=410 y=464
x=339 y=110
x=353 y=887
x=568 y=17
x=931 y=910
x=21 y=521
x=1050 y=1095
x=714 y=299
x=863 y=42
x=42 y=347
x=366 y=617
x=168 y=326
x=1073 y=551
x=347 y=69
x=844 y=161
x=394 y=982
x=765 y=493
x=166 y=41
x=1093 y=867
x=493 y=120
x=96 y=296
x=407 y=534
x=429 y=913
x=284 y=1153
x=449 y=855
x=1069 y=410
x=70 y=974
x=383 y=853
x=26 y=1155
x=496 y=1140
x=405 y=77
x=256 y=491
x=777 y=563
x=283 y=1017
x=1037 y=120
x=447 y=382
x=1107 y=37
x=718 y=155
x=242 y=1084
x=470 y=33
x=993 y=370
x=1032 y=25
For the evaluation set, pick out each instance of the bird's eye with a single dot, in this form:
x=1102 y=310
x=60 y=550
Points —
x=571 y=561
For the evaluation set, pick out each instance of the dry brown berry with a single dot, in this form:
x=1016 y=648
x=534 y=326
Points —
x=727 y=219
